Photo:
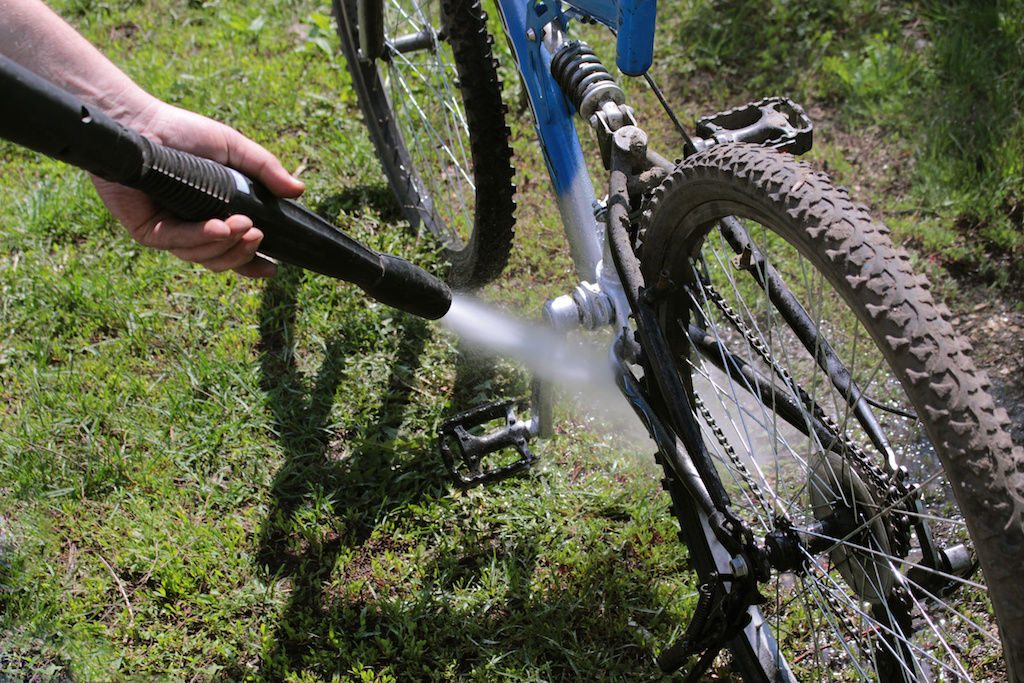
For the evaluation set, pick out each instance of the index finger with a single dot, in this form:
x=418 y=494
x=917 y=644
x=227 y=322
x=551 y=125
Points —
x=205 y=137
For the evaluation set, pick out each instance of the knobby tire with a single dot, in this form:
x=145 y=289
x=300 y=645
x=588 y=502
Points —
x=436 y=118
x=895 y=320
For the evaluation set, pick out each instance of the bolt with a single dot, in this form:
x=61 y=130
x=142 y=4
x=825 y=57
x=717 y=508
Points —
x=632 y=141
x=531 y=35
x=738 y=566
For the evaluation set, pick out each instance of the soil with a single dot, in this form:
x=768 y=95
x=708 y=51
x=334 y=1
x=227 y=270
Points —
x=995 y=325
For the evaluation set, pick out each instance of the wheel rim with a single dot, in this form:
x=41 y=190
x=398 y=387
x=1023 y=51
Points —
x=419 y=75
x=860 y=604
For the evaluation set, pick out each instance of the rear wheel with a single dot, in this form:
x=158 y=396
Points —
x=432 y=104
x=818 y=364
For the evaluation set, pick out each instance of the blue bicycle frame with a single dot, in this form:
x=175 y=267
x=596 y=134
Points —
x=535 y=30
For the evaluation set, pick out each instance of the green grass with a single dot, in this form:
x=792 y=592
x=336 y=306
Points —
x=204 y=477
x=930 y=92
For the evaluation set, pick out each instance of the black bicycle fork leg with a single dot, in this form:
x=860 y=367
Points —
x=370 y=18
x=672 y=404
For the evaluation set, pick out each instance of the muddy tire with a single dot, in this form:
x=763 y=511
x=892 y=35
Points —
x=865 y=604
x=432 y=104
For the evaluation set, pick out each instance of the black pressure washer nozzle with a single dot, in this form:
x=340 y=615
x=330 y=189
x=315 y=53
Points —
x=37 y=114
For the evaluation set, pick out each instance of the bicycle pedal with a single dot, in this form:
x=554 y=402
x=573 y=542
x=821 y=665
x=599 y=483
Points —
x=775 y=122
x=464 y=453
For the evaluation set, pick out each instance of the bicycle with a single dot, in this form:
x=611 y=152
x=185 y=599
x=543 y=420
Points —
x=812 y=406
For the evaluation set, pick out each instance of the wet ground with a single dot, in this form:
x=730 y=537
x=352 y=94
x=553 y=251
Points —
x=995 y=326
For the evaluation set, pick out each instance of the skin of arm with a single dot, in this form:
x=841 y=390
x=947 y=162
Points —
x=32 y=35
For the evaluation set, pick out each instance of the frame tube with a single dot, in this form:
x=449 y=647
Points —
x=524 y=24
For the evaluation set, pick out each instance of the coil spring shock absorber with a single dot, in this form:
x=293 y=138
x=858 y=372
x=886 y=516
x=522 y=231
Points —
x=583 y=79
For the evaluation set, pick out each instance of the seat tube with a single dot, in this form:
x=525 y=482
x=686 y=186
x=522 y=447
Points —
x=554 y=122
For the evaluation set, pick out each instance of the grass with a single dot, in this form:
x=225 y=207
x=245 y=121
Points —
x=932 y=89
x=205 y=477
x=211 y=478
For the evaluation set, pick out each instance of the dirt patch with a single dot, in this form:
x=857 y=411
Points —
x=874 y=168
x=124 y=31
x=371 y=581
x=995 y=325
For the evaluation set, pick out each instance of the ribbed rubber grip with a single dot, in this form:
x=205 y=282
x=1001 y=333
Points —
x=197 y=189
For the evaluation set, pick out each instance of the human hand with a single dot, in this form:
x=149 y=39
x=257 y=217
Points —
x=218 y=245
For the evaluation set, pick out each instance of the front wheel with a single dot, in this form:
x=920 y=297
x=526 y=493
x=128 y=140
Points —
x=432 y=104
x=849 y=427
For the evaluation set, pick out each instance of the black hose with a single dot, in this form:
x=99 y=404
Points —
x=47 y=119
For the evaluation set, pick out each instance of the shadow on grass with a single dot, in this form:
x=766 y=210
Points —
x=354 y=200
x=323 y=534
x=356 y=488
x=972 y=106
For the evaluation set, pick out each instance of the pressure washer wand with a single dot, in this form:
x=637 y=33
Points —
x=37 y=114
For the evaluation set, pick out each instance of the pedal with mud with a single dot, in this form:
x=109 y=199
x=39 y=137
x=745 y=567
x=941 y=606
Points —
x=468 y=456
x=775 y=122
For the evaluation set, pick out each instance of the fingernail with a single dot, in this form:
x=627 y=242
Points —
x=252 y=239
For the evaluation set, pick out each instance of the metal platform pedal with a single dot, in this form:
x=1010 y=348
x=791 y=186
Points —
x=775 y=122
x=464 y=453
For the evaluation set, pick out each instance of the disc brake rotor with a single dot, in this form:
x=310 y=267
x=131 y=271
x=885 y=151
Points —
x=841 y=500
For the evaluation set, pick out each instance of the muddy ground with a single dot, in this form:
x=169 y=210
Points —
x=994 y=323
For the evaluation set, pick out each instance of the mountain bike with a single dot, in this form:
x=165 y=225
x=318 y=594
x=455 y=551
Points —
x=850 y=499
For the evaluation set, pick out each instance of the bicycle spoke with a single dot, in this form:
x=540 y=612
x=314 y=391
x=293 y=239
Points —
x=436 y=138
x=435 y=135
x=760 y=341
x=837 y=592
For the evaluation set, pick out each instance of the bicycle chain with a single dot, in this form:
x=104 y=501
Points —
x=727 y=446
x=897 y=494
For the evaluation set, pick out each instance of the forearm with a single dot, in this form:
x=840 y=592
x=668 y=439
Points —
x=35 y=37
x=38 y=39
